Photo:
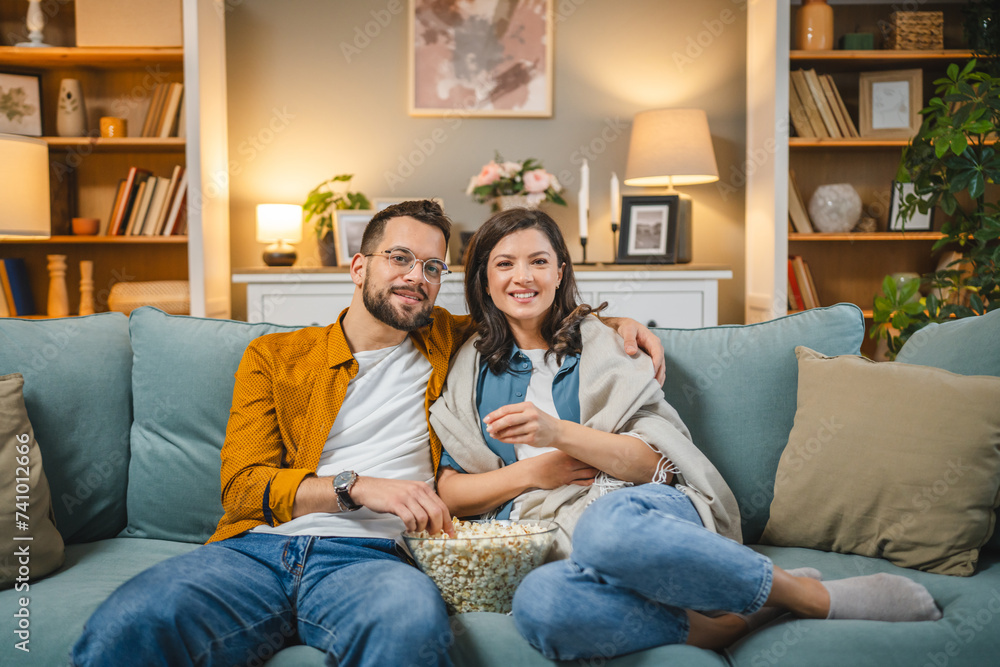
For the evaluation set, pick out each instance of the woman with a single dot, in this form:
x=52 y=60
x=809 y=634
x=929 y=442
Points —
x=544 y=414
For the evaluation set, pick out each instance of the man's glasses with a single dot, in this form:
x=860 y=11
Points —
x=403 y=259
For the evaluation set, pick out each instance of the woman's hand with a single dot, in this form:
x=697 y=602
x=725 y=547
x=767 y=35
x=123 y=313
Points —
x=524 y=424
x=554 y=469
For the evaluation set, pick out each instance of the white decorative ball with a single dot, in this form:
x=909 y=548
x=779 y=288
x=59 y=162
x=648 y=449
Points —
x=835 y=208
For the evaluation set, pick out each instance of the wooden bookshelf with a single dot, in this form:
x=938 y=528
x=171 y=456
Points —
x=109 y=58
x=85 y=171
x=123 y=145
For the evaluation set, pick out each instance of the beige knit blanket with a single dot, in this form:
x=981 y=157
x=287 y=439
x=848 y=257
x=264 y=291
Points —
x=618 y=394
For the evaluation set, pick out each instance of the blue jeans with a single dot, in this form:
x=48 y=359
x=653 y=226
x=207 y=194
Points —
x=641 y=557
x=240 y=601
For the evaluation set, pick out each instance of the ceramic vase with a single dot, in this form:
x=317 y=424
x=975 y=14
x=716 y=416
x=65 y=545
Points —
x=71 y=119
x=328 y=250
x=814 y=26
x=58 y=296
x=507 y=202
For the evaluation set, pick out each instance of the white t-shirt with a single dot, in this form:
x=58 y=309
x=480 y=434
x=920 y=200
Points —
x=380 y=431
x=543 y=372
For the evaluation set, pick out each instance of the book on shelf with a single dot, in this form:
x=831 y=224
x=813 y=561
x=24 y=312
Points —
x=827 y=85
x=147 y=205
x=795 y=301
x=797 y=213
x=140 y=205
x=838 y=104
x=797 y=111
x=16 y=288
x=123 y=208
x=177 y=217
x=154 y=109
x=798 y=78
x=156 y=202
x=168 y=125
x=805 y=281
x=819 y=97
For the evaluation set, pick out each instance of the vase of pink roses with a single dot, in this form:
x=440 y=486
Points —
x=509 y=184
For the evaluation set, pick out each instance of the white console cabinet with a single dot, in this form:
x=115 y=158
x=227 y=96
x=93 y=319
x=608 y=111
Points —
x=682 y=296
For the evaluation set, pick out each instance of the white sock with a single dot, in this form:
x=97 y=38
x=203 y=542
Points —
x=881 y=597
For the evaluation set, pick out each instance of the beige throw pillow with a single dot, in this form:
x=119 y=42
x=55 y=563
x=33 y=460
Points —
x=889 y=460
x=25 y=502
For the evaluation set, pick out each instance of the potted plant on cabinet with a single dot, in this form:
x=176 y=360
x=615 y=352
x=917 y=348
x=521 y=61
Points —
x=319 y=206
x=952 y=163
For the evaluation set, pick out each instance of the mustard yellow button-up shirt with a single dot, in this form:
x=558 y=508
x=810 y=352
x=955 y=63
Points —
x=289 y=389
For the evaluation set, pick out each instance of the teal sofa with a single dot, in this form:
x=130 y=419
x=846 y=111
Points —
x=130 y=416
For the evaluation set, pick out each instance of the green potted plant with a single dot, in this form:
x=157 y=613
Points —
x=951 y=162
x=319 y=206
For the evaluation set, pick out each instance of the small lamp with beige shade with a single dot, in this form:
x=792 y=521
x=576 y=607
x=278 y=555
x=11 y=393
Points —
x=671 y=147
x=280 y=225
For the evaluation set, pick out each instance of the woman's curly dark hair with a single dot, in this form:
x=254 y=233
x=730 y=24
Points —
x=561 y=327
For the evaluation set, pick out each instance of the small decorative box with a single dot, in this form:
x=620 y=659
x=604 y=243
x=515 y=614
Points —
x=917 y=31
x=170 y=296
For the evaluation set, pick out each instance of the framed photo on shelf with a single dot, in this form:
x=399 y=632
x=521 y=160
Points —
x=889 y=103
x=349 y=225
x=920 y=222
x=649 y=230
x=382 y=203
x=484 y=58
x=21 y=104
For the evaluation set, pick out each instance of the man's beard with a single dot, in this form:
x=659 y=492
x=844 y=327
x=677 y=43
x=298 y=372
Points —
x=380 y=306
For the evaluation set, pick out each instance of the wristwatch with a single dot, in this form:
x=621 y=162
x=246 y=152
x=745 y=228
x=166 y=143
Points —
x=342 y=484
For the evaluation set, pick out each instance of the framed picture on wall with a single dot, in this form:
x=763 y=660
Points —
x=484 y=58
x=920 y=222
x=889 y=103
x=21 y=104
x=349 y=227
x=648 y=230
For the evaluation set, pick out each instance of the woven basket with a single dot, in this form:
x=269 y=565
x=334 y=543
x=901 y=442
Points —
x=170 y=296
x=916 y=31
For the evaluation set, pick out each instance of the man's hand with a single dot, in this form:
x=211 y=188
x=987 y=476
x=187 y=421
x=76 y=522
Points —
x=413 y=502
x=638 y=337
x=554 y=469
x=523 y=423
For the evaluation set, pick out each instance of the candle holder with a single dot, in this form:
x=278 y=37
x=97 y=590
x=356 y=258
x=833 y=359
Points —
x=614 y=242
x=583 y=244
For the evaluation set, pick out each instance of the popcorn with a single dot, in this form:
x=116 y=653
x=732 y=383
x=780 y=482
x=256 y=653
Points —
x=480 y=569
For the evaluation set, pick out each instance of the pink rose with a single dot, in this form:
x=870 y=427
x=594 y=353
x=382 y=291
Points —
x=537 y=180
x=489 y=175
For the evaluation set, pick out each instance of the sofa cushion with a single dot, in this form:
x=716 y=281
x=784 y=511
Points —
x=182 y=383
x=966 y=636
x=882 y=467
x=735 y=387
x=78 y=393
x=25 y=502
x=970 y=346
x=61 y=603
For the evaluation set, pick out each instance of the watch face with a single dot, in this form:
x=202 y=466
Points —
x=343 y=479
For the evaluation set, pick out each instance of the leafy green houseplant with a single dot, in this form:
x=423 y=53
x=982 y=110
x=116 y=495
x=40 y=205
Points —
x=952 y=162
x=319 y=206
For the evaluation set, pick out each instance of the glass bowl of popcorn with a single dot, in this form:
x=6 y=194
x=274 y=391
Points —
x=480 y=568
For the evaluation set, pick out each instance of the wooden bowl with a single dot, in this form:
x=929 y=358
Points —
x=86 y=226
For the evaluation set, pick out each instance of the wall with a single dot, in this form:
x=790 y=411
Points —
x=300 y=111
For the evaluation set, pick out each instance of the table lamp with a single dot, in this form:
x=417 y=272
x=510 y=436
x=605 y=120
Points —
x=280 y=225
x=24 y=188
x=672 y=147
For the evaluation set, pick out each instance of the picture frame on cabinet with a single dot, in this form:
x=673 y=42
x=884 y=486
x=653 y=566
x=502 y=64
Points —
x=21 y=104
x=491 y=58
x=349 y=227
x=889 y=103
x=920 y=222
x=649 y=230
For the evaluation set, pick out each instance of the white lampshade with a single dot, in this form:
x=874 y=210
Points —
x=671 y=147
x=279 y=222
x=24 y=188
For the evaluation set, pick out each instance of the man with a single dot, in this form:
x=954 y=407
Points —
x=326 y=460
